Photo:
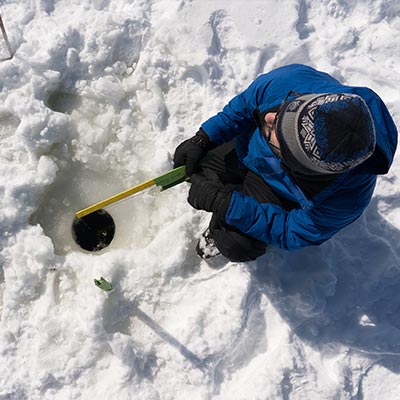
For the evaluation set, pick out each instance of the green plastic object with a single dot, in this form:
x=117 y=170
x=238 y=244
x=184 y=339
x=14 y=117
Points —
x=103 y=284
x=171 y=178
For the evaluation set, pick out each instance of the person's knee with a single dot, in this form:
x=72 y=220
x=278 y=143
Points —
x=237 y=247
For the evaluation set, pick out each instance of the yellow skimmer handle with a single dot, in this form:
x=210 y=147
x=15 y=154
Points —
x=165 y=181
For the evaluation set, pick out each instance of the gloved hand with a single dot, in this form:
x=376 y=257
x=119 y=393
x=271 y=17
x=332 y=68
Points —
x=209 y=195
x=191 y=151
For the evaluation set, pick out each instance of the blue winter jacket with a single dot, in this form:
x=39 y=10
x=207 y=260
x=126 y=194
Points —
x=315 y=219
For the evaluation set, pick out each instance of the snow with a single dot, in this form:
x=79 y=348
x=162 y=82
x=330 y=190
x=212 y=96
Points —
x=97 y=97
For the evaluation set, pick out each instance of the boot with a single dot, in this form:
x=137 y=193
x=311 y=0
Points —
x=206 y=247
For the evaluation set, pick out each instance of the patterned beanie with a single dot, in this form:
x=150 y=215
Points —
x=326 y=133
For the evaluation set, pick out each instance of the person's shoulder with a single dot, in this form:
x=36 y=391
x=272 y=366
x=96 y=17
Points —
x=285 y=69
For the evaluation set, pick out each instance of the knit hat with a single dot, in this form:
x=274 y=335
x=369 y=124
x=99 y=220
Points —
x=326 y=133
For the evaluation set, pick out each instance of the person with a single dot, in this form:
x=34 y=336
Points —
x=288 y=162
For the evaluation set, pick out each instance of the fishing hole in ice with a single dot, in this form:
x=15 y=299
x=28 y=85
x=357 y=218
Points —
x=137 y=220
x=75 y=187
x=80 y=183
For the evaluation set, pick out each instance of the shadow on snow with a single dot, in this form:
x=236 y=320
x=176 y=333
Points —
x=344 y=292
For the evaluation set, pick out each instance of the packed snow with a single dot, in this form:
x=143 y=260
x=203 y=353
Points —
x=95 y=100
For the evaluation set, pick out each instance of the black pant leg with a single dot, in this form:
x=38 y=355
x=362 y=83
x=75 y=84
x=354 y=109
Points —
x=234 y=244
x=231 y=242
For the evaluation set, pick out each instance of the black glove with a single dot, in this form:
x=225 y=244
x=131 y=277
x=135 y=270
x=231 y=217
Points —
x=208 y=195
x=191 y=151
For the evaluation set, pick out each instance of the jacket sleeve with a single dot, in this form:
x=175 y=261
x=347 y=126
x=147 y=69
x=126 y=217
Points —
x=300 y=228
x=237 y=116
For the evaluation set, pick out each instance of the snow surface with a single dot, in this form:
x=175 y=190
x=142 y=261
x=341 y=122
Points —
x=97 y=97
